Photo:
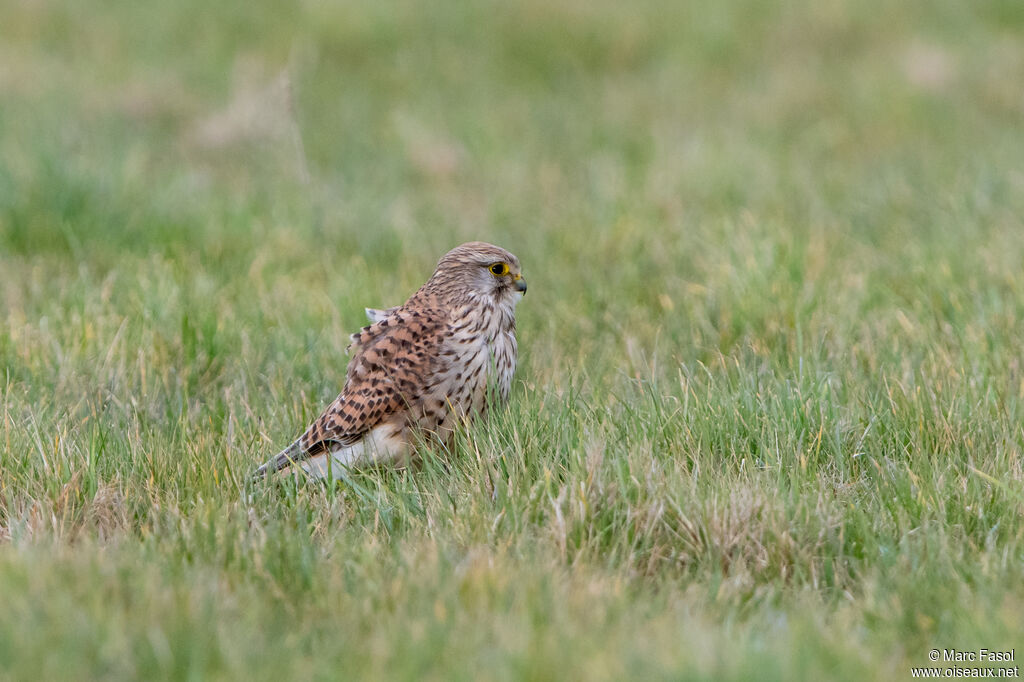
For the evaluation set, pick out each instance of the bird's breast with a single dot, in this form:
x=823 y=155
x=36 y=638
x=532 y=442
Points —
x=482 y=354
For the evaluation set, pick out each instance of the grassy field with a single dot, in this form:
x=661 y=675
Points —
x=769 y=416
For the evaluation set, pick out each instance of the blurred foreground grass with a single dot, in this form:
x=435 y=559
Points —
x=768 y=422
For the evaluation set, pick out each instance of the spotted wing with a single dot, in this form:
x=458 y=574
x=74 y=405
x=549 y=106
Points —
x=392 y=363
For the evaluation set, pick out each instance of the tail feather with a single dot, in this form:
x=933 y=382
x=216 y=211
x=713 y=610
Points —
x=291 y=454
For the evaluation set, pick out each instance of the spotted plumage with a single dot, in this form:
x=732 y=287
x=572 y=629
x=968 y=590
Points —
x=420 y=368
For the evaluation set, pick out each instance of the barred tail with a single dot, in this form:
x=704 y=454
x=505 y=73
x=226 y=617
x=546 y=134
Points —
x=291 y=454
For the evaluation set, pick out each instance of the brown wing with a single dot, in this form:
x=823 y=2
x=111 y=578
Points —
x=393 y=360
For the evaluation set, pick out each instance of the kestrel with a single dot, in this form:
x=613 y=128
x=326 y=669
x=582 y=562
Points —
x=420 y=368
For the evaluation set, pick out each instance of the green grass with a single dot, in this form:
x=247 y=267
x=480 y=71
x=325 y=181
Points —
x=768 y=417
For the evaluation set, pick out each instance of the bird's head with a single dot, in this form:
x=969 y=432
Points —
x=481 y=270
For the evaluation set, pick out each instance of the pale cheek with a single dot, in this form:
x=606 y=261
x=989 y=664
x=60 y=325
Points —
x=507 y=294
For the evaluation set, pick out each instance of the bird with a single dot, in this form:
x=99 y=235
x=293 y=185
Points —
x=418 y=370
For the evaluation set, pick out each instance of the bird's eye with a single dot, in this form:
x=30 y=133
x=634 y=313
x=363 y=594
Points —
x=499 y=269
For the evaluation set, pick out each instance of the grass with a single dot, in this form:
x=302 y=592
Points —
x=767 y=421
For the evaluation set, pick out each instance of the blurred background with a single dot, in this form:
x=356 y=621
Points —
x=219 y=190
x=645 y=160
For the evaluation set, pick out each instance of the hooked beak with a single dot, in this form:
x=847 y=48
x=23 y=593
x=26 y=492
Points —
x=519 y=283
